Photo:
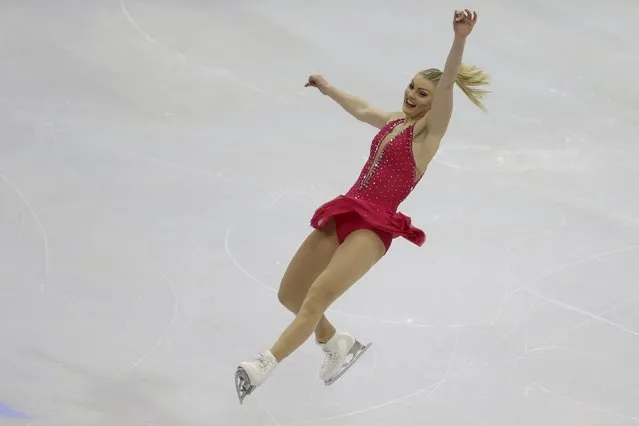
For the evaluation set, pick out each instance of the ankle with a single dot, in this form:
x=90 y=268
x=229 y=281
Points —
x=324 y=336
x=276 y=356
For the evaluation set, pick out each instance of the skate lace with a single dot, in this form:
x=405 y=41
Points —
x=330 y=359
x=263 y=361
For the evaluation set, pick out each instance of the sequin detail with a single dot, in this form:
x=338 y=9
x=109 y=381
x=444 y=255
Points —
x=386 y=179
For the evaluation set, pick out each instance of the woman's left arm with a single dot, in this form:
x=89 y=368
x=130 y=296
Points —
x=437 y=119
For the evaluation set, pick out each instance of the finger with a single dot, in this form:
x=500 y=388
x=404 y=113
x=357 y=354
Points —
x=474 y=16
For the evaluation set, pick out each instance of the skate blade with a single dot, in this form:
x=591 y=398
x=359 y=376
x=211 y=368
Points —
x=356 y=351
x=243 y=384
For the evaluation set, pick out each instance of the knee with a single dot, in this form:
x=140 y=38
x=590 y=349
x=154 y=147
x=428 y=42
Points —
x=286 y=298
x=283 y=297
x=318 y=300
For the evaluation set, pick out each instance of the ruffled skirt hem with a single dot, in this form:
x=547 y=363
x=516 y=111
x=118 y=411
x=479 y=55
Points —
x=394 y=223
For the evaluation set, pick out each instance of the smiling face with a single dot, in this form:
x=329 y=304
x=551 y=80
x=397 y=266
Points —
x=418 y=97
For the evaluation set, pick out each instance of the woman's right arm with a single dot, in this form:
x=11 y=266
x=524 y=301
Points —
x=355 y=106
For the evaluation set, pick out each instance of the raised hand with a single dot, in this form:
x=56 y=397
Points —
x=317 y=81
x=464 y=22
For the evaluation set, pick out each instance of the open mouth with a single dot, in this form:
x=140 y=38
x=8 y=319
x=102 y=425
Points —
x=409 y=103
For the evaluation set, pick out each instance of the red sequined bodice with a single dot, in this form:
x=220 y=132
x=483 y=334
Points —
x=388 y=178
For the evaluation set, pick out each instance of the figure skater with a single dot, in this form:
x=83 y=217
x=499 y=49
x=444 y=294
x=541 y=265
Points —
x=354 y=231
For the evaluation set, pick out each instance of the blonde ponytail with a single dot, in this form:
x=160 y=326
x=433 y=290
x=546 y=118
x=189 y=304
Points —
x=470 y=80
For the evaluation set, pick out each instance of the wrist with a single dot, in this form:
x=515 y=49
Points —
x=327 y=90
x=459 y=39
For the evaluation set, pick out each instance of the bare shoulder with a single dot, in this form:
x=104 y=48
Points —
x=392 y=116
x=376 y=117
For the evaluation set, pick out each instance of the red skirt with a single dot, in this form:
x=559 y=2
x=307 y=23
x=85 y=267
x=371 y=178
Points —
x=377 y=217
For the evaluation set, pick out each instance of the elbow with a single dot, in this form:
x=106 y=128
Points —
x=362 y=113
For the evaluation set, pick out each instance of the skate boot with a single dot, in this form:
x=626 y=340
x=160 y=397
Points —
x=341 y=352
x=251 y=374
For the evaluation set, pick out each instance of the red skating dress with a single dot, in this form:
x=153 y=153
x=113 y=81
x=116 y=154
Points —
x=387 y=178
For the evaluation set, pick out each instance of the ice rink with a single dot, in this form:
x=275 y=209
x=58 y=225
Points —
x=160 y=161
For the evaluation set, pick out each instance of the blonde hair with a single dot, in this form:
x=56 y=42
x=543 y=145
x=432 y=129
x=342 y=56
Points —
x=470 y=79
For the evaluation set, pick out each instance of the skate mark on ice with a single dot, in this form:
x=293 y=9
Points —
x=583 y=312
x=237 y=264
x=500 y=311
x=267 y=411
x=429 y=391
x=408 y=322
x=220 y=72
x=365 y=410
x=168 y=327
x=54 y=129
x=587 y=321
x=230 y=253
x=535 y=386
x=449 y=366
x=501 y=157
x=517 y=359
x=564 y=305
x=41 y=228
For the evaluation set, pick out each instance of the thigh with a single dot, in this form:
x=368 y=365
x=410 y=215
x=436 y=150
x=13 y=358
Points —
x=359 y=252
x=309 y=261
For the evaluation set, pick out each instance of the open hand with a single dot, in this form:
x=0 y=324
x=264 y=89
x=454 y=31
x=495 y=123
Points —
x=463 y=22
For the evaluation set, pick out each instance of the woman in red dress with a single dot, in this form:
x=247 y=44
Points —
x=354 y=231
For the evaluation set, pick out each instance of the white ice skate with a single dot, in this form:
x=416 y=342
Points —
x=251 y=374
x=341 y=352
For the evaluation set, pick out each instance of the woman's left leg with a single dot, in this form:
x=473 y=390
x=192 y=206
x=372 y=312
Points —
x=359 y=252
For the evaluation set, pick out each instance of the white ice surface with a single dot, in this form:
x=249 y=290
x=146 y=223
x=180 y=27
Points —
x=160 y=161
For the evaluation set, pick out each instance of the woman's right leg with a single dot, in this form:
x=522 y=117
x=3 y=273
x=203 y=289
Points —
x=309 y=261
